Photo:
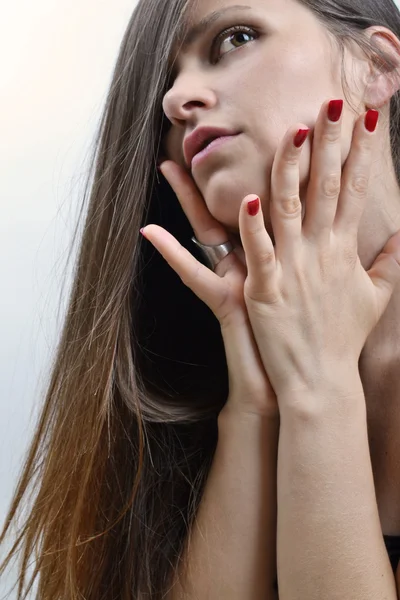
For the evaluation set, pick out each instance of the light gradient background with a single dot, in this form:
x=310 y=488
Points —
x=56 y=61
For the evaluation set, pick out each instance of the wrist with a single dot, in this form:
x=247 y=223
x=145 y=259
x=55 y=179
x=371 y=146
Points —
x=236 y=409
x=339 y=398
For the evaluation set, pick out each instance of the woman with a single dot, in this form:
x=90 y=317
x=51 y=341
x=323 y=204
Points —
x=156 y=454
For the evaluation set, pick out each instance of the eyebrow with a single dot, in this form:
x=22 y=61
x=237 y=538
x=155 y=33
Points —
x=198 y=30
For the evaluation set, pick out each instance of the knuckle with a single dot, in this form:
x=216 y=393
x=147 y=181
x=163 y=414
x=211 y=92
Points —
x=331 y=185
x=330 y=136
x=292 y=159
x=362 y=145
x=256 y=297
x=266 y=258
x=291 y=204
x=358 y=184
x=255 y=231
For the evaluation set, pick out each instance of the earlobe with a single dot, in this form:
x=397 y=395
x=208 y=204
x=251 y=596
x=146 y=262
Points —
x=384 y=77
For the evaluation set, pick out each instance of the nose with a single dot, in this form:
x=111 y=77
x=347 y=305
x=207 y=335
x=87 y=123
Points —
x=189 y=93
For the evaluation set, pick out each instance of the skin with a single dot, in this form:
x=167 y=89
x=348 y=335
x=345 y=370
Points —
x=299 y=79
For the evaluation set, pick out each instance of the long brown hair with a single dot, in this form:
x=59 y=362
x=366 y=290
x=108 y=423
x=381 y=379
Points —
x=128 y=430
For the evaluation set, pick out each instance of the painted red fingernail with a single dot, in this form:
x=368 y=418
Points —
x=300 y=137
x=371 y=120
x=253 y=207
x=335 y=110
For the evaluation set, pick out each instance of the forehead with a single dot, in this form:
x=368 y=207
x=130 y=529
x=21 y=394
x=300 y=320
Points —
x=198 y=9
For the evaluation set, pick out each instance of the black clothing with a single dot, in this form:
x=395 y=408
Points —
x=392 y=543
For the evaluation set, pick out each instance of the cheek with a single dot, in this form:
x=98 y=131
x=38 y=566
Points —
x=228 y=190
x=296 y=81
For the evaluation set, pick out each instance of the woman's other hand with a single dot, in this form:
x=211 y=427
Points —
x=222 y=291
x=310 y=302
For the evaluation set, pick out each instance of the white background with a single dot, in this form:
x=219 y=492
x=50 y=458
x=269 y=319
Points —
x=56 y=60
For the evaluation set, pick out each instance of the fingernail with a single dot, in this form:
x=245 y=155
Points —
x=253 y=206
x=335 y=110
x=300 y=137
x=371 y=120
x=142 y=232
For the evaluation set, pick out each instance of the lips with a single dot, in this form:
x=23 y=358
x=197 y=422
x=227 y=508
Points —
x=200 y=138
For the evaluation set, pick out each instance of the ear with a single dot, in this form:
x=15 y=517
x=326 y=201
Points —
x=383 y=79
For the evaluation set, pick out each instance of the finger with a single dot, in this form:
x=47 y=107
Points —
x=325 y=173
x=206 y=228
x=261 y=282
x=207 y=285
x=285 y=206
x=385 y=272
x=356 y=173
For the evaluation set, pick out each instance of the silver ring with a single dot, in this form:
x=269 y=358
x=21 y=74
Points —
x=214 y=253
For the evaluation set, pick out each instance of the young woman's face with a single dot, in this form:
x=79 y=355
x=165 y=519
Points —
x=273 y=71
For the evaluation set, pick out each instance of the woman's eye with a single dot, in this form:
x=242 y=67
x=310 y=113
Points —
x=234 y=32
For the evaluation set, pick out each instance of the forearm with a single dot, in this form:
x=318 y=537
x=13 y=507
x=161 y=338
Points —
x=231 y=553
x=329 y=538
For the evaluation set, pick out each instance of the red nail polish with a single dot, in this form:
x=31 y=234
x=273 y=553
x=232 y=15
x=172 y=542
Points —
x=371 y=120
x=335 y=110
x=253 y=207
x=300 y=137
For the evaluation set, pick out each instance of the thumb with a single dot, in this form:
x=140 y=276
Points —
x=385 y=272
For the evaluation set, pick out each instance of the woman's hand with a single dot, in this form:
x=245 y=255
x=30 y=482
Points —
x=222 y=291
x=310 y=302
